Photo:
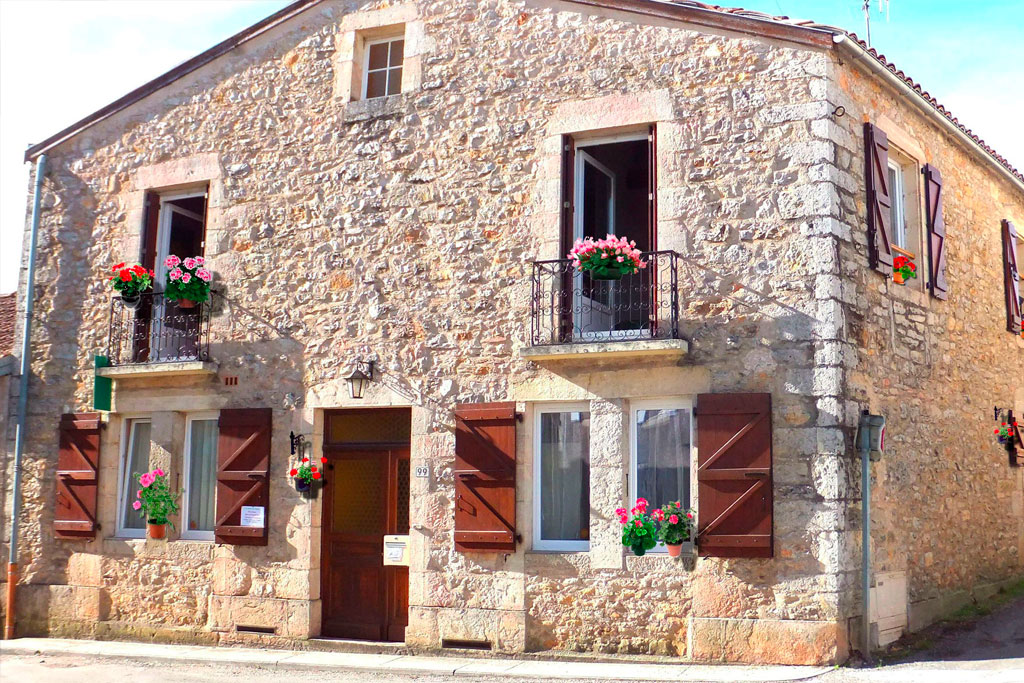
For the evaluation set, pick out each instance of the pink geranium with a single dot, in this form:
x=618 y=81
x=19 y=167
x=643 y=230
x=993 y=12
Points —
x=146 y=479
x=156 y=502
x=136 y=505
x=609 y=258
x=186 y=278
x=171 y=261
x=189 y=263
x=175 y=274
x=200 y=260
x=204 y=274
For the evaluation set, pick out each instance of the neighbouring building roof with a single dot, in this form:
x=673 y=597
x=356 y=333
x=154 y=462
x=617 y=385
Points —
x=730 y=18
x=8 y=312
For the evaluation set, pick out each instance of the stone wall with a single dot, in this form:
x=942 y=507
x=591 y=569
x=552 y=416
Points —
x=403 y=230
x=947 y=509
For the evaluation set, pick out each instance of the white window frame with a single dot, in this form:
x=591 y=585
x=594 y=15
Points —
x=899 y=204
x=538 y=542
x=186 y=533
x=124 y=475
x=366 y=65
x=667 y=403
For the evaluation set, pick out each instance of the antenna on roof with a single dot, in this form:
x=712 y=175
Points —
x=883 y=5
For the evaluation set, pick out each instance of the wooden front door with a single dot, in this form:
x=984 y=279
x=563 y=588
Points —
x=366 y=497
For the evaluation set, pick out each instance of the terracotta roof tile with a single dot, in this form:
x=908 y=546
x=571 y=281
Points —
x=874 y=53
x=8 y=313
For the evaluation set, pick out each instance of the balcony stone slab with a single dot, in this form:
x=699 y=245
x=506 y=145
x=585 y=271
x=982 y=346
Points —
x=170 y=369
x=647 y=348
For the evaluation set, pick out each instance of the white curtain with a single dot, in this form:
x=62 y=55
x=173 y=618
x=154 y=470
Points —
x=663 y=456
x=136 y=462
x=565 y=476
x=202 y=477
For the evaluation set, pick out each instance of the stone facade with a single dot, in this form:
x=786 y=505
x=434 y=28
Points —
x=402 y=230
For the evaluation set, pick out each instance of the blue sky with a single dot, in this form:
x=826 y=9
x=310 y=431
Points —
x=969 y=54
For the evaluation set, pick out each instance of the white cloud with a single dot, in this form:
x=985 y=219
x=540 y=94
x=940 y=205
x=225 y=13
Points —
x=62 y=60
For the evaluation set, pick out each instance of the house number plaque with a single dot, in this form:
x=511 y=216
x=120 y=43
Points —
x=422 y=471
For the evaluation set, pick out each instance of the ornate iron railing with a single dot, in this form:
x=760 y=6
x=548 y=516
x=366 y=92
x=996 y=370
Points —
x=569 y=307
x=157 y=330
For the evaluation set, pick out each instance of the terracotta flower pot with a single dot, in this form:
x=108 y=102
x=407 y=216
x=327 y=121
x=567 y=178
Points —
x=897 y=277
x=187 y=303
x=674 y=549
x=156 y=530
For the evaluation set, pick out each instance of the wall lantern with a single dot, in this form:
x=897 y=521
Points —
x=359 y=379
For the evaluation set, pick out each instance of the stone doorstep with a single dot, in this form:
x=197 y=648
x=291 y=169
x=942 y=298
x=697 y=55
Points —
x=671 y=348
x=175 y=369
x=545 y=668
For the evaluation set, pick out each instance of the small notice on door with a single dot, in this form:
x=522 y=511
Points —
x=253 y=515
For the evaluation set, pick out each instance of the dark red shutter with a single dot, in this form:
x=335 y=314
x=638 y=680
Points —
x=243 y=470
x=876 y=176
x=485 y=477
x=78 y=464
x=1011 y=277
x=568 y=193
x=150 y=225
x=936 y=233
x=734 y=475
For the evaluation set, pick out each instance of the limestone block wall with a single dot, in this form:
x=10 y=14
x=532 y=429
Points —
x=947 y=507
x=403 y=231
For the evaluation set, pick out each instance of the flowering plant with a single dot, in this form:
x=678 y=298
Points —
x=638 y=532
x=904 y=266
x=1005 y=432
x=306 y=472
x=131 y=280
x=675 y=525
x=187 y=279
x=607 y=259
x=155 y=501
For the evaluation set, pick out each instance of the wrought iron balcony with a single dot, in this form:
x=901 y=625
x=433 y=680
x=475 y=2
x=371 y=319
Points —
x=569 y=307
x=157 y=330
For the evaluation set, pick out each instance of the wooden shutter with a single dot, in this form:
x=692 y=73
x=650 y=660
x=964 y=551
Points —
x=876 y=176
x=734 y=475
x=243 y=470
x=150 y=225
x=78 y=462
x=652 y=188
x=1011 y=277
x=485 y=477
x=936 y=233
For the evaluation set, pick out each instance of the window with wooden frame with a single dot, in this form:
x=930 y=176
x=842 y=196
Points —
x=135 y=447
x=661 y=438
x=905 y=212
x=561 y=476
x=200 y=483
x=382 y=68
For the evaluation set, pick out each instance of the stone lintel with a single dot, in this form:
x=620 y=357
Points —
x=175 y=369
x=606 y=350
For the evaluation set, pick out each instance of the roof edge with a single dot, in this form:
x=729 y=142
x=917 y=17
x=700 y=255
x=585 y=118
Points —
x=187 y=67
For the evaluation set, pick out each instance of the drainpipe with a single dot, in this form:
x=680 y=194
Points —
x=26 y=362
x=865 y=534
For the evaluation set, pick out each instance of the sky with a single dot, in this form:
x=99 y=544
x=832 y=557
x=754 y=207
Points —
x=60 y=60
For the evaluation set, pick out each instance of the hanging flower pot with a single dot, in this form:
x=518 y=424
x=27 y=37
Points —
x=130 y=281
x=607 y=259
x=1004 y=434
x=188 y=280
x=156 y=529
x=131 y=302
x=308 y=478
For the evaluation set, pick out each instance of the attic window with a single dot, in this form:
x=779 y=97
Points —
x=383 y=69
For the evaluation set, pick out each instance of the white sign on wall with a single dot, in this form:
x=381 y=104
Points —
x=254 y=516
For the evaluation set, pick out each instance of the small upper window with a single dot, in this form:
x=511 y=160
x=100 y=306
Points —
x=383 y=75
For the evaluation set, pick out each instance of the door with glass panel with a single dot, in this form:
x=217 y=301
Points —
x=595 y=217
x=661 y=437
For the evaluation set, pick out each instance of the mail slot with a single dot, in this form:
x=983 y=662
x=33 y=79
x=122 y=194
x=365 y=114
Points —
x=396 y=550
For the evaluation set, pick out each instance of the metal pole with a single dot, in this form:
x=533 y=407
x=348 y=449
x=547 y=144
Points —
x=865 y=487
x=26 y=369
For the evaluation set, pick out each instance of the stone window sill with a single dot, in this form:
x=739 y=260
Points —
x=377 y=107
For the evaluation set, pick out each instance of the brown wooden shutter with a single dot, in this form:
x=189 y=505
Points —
x=78 y=463
x=568 y=192
x=652 y=188
x=243 y=470
x=876 y=176
x=936 y=233
x=485 y=477
x=150 y=225
x=1011 y=277
x=734 y=475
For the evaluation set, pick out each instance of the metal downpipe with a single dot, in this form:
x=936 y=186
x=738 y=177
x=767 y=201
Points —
x=26 y=369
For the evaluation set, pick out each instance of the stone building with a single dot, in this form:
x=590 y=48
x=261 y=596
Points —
x=392 y=188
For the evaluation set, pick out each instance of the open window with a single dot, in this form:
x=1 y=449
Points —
x=905 y=213
x=609 y=188
x=175 y=225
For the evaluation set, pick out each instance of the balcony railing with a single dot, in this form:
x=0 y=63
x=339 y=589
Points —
x=569 y=307
x=157 y=330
